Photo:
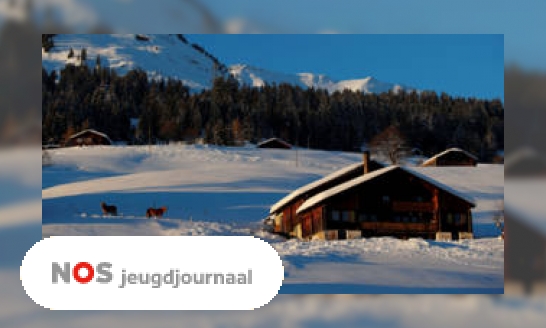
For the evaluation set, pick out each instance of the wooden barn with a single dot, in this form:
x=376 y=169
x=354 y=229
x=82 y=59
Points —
x=452 y=157
x=283 y=213
x=274 y=143
x=88 y=138
x=392 y=201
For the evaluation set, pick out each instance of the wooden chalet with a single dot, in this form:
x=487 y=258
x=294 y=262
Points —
x=274 y=143
x=88 y=137
x=452 y=157
x=283 y=213
x=391 y=201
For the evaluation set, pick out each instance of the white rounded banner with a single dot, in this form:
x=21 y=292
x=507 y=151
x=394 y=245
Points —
x=152 y=273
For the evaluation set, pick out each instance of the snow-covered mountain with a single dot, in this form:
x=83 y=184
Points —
x=258 y=77
x=160 y=56
x=172 y=56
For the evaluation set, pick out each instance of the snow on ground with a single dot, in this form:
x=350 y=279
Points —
x=389 y=265
x=162 y=56
x=228 y=191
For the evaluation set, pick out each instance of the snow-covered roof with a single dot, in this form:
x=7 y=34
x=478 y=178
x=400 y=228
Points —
x=76 y=135
x=370 y=176
x=428 y=161
x=309 y=187
x=274 y=139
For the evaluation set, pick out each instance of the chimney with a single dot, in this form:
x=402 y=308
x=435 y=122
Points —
x=366 y=161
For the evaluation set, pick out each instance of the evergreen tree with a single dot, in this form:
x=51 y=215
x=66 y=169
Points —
x=83 y=56
x=231 y=114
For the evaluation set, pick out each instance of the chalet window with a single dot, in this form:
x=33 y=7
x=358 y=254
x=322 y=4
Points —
x=386 y=199
x=336 y=215
x=457 y=218
x=450 y=218
x=347 y=216
x=362 y=217
x=463 y=218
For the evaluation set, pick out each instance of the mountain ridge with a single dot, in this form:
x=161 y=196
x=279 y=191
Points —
x=173 y=56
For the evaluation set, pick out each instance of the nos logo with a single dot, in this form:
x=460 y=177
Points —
x=83 y=272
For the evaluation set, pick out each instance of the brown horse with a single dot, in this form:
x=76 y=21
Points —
x=109 y=209
x=156 y=212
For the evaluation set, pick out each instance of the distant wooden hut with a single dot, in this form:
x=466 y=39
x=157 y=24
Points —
x=283 y=213
x=452 y=157
x=393 y=201
x=274 y=143
x=88 y=137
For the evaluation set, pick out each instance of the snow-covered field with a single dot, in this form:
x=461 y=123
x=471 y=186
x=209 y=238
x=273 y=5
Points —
x=228 y=191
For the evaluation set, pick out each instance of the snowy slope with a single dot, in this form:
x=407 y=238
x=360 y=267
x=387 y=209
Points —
x=161 y=56
x=228 y=191
x=166 y=56
x=258 y=77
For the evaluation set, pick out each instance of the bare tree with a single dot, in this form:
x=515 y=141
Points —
x=499 y=219
x=390 y=144
x=46 y=158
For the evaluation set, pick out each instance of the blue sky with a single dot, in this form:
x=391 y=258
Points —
x=520 y=21
x=461 y=65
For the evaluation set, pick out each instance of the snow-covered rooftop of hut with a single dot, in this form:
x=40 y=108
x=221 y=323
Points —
x=370 y=176
x=450 y=150
x=76 y=135
x=274 y=139
x=308 y=187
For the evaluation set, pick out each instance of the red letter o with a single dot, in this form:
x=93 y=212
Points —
x=90 y=272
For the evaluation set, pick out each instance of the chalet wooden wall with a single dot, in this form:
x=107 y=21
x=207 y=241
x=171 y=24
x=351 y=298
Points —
x=397 y=204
